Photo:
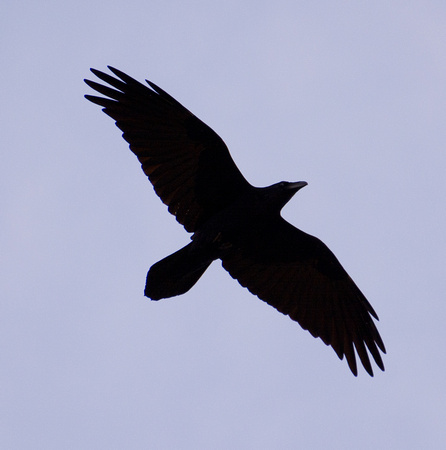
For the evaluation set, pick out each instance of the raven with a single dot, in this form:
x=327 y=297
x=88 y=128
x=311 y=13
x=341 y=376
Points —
x=193 y=173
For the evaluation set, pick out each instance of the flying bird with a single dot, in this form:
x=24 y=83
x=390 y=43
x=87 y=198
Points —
x=193 y=173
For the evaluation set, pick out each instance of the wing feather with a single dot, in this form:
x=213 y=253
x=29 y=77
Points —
x=298 y=275
x=186 y=161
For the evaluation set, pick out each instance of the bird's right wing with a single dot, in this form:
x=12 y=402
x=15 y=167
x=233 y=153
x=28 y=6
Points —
x=298 y=275
x=187 y=162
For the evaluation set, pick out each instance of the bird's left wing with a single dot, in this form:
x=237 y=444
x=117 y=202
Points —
x=298 y=275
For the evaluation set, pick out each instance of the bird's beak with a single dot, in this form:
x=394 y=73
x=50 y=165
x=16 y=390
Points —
x=296 y=186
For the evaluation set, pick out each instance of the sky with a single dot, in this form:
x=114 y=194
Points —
x=348 y=96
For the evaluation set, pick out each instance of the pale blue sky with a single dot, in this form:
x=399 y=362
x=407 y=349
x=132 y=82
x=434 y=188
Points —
x=349 y=96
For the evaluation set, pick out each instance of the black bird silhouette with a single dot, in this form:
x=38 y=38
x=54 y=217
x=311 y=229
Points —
x=194 y=175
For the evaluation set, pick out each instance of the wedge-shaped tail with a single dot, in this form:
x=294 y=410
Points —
x=176 y=274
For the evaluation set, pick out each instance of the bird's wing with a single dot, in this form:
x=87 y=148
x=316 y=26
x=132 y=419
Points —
x=187 y=162
x=298 y=275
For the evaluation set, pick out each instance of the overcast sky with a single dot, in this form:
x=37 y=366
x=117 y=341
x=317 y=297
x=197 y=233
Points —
x=348 y=96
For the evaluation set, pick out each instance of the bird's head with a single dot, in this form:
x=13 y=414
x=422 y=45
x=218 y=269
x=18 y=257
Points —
x=279 y=194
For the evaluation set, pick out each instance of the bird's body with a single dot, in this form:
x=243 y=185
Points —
x=248 y=219
x=194 y=175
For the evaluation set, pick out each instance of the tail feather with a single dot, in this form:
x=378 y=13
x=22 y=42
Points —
x=176 y=274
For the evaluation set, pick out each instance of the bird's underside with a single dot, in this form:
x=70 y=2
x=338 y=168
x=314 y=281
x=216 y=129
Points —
x=194 y=175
